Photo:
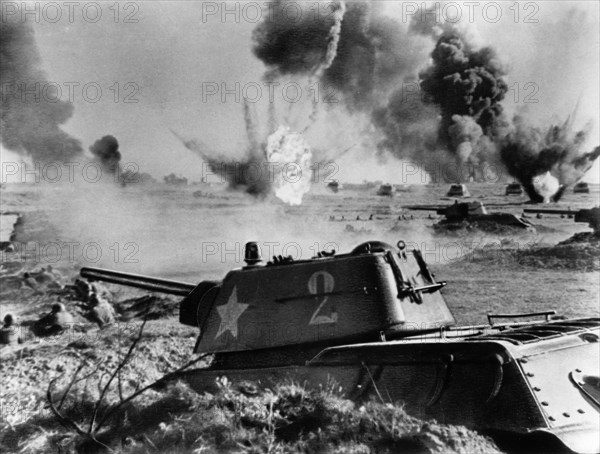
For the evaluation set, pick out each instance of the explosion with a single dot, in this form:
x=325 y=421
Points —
x=291 y=158
x=282 y=166
x=247 y=174
x=546 y=162
x=465 y=86
x=544 y=187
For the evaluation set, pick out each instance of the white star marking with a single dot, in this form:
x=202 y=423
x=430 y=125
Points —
x=229 y=314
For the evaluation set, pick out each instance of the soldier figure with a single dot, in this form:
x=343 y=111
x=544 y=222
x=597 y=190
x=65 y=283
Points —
x=55 y=273
x=8 y=333
x=55 y=322
x=101 y=311
x=100 y=290
x=30 y=283
x=48 y=277
x=83 y=289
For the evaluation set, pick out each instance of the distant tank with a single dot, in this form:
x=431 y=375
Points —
x=375 y=321
x=386 y=190
x=458 y=190
x=174 y=180
x=474 y=214
x=581 y=188
x=333 y=186
x=590 y=216
x=514 y=189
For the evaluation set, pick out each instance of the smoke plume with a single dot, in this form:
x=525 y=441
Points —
x=106 y=153
x=468 y=86
x=31 y=109
x=352 y=48
x=449 y=113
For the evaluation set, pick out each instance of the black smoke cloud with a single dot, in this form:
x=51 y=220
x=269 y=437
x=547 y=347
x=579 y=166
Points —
x=468 y=86
x=452 y=114
x=106 y=153
x=31 y=112
x=291 y=46
x=371 y=51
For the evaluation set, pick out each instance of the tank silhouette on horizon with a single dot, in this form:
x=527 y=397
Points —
x=474 y=214
x=386 y=189
x=458 y=190
x=581 y=188
x=514 y=189
x=333 y=186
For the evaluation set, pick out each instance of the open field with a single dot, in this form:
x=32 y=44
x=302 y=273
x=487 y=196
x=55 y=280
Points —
x=168 y=232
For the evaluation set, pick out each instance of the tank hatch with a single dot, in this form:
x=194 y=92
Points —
x=372 y=292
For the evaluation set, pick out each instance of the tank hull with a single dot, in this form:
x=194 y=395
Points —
x=537 y=378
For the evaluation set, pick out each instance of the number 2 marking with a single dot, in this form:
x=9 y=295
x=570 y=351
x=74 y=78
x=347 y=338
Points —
x=319 y=283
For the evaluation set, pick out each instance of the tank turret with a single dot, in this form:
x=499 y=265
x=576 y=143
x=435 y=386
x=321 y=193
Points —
x=458 y=190
x=581 y=188
x=386 y=190
x=460 y=211
x=376 y=290
x=513 y=189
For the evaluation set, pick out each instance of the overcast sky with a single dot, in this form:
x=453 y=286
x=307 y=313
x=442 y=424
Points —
x=172 y=51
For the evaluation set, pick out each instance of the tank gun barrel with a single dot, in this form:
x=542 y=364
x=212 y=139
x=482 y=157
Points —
x=550 y=211
x=440 y=209
x=138 y=281
x=426 y=207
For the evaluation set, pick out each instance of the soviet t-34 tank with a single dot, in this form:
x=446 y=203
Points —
x=474 y=215
x=375 y=321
